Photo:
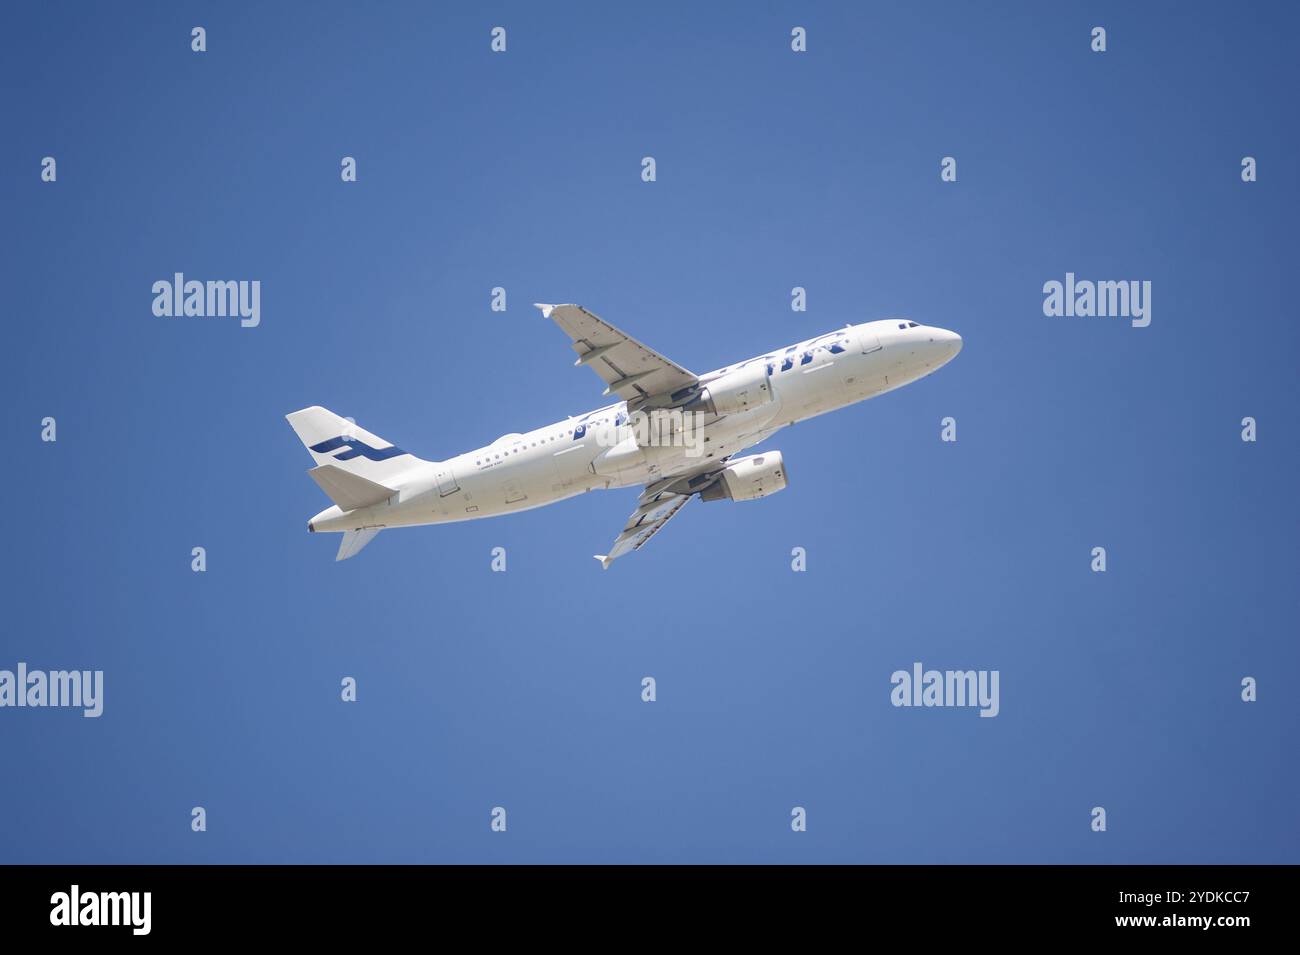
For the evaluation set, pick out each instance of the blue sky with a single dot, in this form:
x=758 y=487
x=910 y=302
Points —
x=522 y=689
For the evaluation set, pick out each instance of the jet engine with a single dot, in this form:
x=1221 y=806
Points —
x=748 y=478
x=737 y=391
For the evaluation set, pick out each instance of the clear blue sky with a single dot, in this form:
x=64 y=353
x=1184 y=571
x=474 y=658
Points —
x=521 y=170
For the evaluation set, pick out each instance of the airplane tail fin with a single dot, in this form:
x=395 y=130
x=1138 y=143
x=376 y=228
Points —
x=349 y=452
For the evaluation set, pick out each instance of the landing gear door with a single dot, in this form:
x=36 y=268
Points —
x=867 y=339
x=447 y=481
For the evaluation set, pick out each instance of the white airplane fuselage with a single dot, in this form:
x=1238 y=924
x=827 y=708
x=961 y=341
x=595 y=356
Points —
x=599 y=449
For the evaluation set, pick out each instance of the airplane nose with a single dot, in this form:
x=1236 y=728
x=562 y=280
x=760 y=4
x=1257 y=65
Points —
x=949 y=342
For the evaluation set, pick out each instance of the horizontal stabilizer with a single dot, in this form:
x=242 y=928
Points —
x=349 y=491
x=353 y=541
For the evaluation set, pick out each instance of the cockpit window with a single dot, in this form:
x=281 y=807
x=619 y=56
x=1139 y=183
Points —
x=911 y=325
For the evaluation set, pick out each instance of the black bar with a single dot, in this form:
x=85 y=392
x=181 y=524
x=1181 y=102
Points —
x=331 y=903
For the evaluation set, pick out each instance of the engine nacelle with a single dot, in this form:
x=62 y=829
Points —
x=748 y=478
x=738 y=391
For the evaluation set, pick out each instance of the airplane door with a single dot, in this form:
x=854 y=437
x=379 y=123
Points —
x=446 y=478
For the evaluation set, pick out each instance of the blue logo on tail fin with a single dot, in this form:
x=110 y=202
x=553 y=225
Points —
x=356 y=448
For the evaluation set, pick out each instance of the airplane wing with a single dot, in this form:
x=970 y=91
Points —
x=653 y=511
x=659 y=504
x=629 y=369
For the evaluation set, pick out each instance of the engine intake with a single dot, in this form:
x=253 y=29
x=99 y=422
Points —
x=748 y=478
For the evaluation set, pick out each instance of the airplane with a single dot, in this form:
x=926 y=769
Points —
x=676 y=434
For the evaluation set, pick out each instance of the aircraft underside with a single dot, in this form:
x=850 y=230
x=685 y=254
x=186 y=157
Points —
x=675 y=434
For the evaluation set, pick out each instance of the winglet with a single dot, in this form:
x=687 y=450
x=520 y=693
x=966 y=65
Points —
x=604 y=561
x=546 y=309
